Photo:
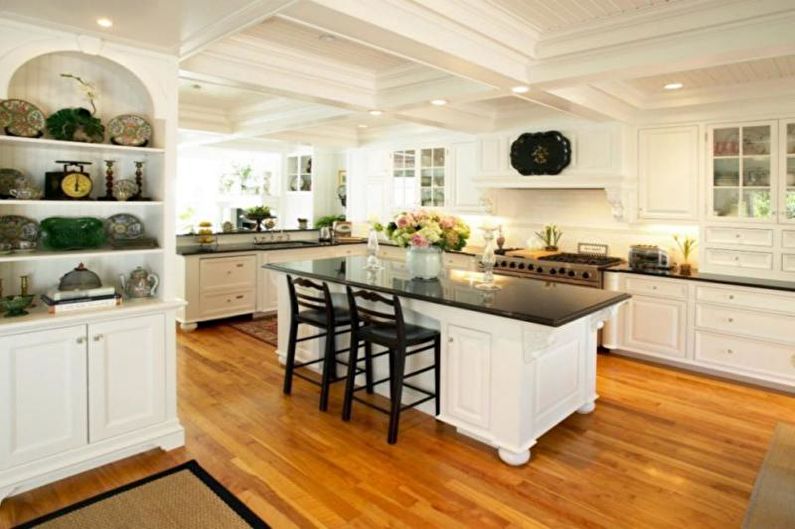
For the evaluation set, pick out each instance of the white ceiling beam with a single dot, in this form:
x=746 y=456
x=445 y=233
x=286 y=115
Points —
x=251 y=14
x=589 y=97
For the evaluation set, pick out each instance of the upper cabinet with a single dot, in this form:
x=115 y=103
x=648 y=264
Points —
x=787 y=194
x=668 y=165
x=741 y=175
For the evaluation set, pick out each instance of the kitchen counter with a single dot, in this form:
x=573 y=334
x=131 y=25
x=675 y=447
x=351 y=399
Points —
x=530 y=300
x=251 y=247
x=514 y=363
x=771 y=284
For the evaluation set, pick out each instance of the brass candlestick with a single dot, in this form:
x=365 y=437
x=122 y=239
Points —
x=108 y=180
x=139 y=179
x=23 y=285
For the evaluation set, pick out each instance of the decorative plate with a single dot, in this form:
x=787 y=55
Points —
x=20 y=232
x=124 y=189
x=72 y=233
x=124 y=226
x=8 y=180
x=540 y=153
x=26 y=119
x=130 y=130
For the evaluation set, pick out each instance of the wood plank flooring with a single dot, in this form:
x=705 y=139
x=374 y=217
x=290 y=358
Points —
x=664 y=449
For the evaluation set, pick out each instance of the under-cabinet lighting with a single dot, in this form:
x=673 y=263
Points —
x=673 y=86
x=105 y=22
x=521 y=89
x=376 y=112
x=439 y=102
x=362 y=126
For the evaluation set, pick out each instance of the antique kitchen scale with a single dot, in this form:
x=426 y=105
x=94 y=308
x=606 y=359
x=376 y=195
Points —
x=73 y=183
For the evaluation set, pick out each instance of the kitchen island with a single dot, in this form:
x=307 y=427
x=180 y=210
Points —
x=515 y=362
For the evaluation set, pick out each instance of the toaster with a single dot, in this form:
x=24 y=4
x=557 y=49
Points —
x=648 y=257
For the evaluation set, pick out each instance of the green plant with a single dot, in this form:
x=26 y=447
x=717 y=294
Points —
x=328 y=221
x=686 y=245
x=258 y=213
x=75 y=124
x=550 y=235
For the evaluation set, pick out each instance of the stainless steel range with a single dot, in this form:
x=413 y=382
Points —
x=585 y=269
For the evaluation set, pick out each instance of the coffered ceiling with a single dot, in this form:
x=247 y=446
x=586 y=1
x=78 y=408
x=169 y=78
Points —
x=315 y=69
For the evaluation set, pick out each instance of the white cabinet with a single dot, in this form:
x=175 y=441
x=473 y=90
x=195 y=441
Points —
x=43 y=394
x=465 y=195
x=786 y=208
x=467 y=375
x=668 y=166
x=656 y=326
x=126 y=375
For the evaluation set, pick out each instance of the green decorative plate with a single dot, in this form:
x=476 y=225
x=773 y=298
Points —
x=72 y=233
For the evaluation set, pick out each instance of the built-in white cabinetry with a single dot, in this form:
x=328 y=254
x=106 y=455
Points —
x=75 y=396
x=668 y=169
x=468 y=375
x=786 y=208
x=464 y=195
x=126 y=375
x=738 y=331
x=43 y=394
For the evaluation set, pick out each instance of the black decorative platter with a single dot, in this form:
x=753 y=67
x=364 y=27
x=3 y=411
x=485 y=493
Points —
x=540 y=153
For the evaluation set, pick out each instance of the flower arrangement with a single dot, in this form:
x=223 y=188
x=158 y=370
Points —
x=425 y=229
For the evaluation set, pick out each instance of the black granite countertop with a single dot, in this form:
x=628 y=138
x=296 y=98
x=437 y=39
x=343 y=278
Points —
x=531 y=300
x=771 y=284
x=251 y=247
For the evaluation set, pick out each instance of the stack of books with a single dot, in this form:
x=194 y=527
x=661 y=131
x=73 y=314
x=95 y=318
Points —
x=72 y=300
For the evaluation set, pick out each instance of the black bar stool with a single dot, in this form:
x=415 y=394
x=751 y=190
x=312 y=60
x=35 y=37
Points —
x=389 y=330
x=327 y=312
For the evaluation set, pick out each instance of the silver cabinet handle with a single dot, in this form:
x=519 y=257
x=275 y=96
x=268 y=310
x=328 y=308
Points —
x=731 y=296
x=97 y=337
x=731 y=320
x=241 y=296
x=81 y=340
x=730 y=351
x=450 y=340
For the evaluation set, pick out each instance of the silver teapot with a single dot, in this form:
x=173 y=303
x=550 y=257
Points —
x=140 y=284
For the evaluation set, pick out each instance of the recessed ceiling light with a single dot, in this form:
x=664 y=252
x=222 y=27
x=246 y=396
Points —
x=105 y=22
x=439 y=102
x=362 y=126
x=673 y=86
x=325 y=37
x=521 y=89
x=376 y=112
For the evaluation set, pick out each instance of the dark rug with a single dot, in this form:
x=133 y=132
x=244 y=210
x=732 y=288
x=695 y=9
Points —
x=264 y=328
x=184 y=497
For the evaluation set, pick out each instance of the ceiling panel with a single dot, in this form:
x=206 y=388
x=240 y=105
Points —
x=217 y=96
x=728 y=74
x=544 y=15
x=338 y=49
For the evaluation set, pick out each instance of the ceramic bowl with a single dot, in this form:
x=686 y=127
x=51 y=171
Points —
x=16 y=305
x=26 y=246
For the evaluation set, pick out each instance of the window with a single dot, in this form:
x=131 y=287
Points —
x=418 y=177
x=299 y=173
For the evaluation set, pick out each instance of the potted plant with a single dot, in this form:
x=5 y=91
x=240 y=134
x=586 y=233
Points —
x=686 y=245
x=426 y=234
x=258 y=214
x=302 y=223
x=77 y=124
x=550 y=236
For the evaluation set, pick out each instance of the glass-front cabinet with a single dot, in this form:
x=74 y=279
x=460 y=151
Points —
x=788 y=171
x=743 y=166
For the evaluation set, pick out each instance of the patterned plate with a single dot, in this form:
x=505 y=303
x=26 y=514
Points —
x=14 y=228
x=124 y=227
x=8 y=180
x=129 y=130
x=26 y=119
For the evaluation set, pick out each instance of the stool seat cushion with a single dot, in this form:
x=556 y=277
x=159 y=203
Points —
x=387 y=334
x=318 y=317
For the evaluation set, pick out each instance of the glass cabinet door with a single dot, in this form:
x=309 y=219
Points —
x=742 y=172
x=788 y=207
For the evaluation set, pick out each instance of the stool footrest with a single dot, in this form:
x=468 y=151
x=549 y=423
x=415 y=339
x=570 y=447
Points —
x=388 y=412
x=417 y=372
x=419 y=389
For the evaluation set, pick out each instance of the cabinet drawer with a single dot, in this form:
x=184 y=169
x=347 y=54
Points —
x=458 y=261
x=227 y=273
x=391 y=252
x=749 y=323
x=227 y=303
x=744 y=236
x=669 y=289
x=747 y=298
x=788 y=239
x=740 y=259
x=788 y=262
x=746 y=354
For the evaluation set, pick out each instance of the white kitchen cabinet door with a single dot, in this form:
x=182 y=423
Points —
x=465 y=196
x=668 y=162
x=492 y=156
x=466 y=373
x=42 y=394
x=126 y=373
x=656 y=326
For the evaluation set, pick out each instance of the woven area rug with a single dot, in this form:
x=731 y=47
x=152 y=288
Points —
x=184 y=497
x=263 y=328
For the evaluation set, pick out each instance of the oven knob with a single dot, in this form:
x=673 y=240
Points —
x=530 y=267
x=503 y=263
x=540 y=270
x=572 y=273
x=561 y=270
x=512 y=265
x=521 y=266
x=553 y=271
x=586 y=275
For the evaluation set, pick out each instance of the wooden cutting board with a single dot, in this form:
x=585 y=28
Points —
x=530 y=254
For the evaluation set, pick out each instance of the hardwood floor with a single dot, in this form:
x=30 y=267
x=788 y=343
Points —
x=664 y=449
